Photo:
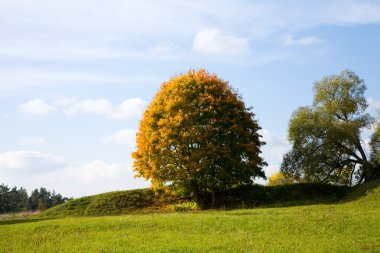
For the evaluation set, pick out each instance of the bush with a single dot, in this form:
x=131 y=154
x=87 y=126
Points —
x=185 y=207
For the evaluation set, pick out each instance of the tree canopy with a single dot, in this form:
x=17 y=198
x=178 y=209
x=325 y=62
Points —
x=197 y=133
x=326 y=137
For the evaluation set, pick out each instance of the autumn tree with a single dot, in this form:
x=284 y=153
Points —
x=279 y=178
x=197 y=133
x=327 y=143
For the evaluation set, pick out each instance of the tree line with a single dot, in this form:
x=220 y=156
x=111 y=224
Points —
x=18 y=200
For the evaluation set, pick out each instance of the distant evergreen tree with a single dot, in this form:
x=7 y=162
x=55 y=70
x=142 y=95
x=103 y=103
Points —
x=18 y=200
x=4 y=199
x=22 y=200
x=33 y=200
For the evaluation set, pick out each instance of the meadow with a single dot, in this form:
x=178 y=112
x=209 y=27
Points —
x=352 y=226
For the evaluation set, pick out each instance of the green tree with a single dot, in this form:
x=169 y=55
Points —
x=197 y=133
x=22 y=200
x=327 y=145
x=34 y=200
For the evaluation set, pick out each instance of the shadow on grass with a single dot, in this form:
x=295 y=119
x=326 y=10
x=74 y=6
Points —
x=18 y=221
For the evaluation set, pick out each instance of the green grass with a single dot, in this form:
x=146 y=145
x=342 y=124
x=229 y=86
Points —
x=346 y=227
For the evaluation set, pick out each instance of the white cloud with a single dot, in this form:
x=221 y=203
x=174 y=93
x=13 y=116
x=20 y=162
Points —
x=305 y=41
x=38 y=141
x=32 y=170
x=36 y=107
x=275 y=147
x=373 y=106
x=108 y=25
x=30 y=162
x=97 y=176
x=16 y=79
x=213 y=41
x=273 y=151
x=97 y=107
x=128 y=17
x=37 y=49
x=125 y=136
x=127 y=109
x=99 y=170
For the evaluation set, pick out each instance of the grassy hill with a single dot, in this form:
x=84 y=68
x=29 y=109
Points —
x=113 y=203
x=345 y=227
x=147 y=200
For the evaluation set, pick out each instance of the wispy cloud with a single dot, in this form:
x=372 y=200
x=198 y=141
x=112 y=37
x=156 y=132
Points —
x=100 y=107
x=30 y=48
x=165 y=47
x=374 y=107
x=36 y=107
x=32 y=169
x=305 y=41
x=127 y=109
x=29 y=162
x=125 y=30
x=125 y=136
x=36 y=141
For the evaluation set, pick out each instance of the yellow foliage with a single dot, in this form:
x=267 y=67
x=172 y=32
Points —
x=279 y=178
x=197 y=129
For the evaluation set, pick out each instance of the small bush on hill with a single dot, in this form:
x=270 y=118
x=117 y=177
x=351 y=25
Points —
x=185 y=207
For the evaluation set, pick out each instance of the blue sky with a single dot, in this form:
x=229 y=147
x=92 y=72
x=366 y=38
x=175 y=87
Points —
x=75 y=76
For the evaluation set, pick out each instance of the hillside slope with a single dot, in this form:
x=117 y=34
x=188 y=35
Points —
x=147 y=200
x=367 y=191
x=114 y=203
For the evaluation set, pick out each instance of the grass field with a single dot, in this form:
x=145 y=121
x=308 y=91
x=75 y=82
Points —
x=346 y=227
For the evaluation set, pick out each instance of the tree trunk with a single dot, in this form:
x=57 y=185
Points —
x=213 y=197
x=352 y=174
x=367 y=171
x=195 y=192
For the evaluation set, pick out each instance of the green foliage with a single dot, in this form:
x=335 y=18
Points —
x=284 y=195
x=348 y=227
x=197 y=133
x=13 y=200
x=42 y=199
x=326 y=137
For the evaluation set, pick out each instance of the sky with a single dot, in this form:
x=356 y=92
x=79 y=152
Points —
x=76 y=75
